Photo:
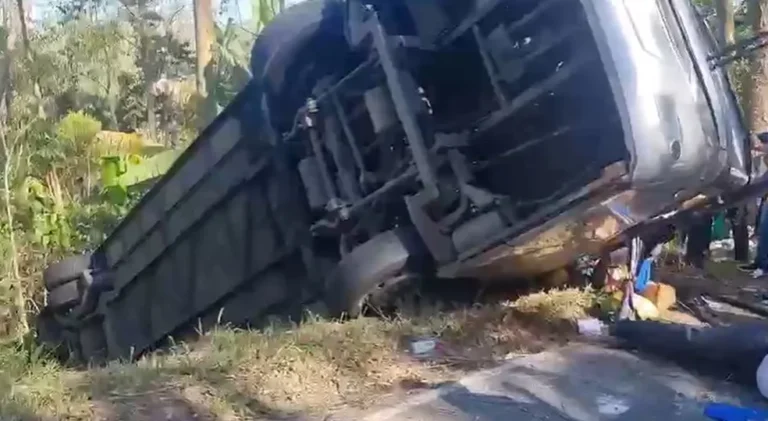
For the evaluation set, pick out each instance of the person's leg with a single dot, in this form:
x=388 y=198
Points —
x=762 y=252
x=740 y=233
x=761 y=256
x=699 y=238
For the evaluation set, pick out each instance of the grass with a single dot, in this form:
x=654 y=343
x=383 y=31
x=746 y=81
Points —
x=557 y=305
x=317 y=367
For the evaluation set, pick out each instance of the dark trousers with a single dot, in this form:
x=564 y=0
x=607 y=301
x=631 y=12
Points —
x=699 y=236
x=761 y=257
x=740 y=233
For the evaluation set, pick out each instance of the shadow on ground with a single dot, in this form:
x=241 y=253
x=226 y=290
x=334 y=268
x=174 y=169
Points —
x=177 y=397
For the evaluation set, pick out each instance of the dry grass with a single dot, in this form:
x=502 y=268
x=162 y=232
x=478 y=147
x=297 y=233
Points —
x=317 y=367
x=558 y=304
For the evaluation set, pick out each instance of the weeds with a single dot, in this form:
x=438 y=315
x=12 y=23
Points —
x=312 y=368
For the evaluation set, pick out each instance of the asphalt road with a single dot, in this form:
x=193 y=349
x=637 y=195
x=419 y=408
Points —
x=578 y=382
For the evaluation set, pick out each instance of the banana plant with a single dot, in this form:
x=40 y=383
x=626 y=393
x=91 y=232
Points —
x=263 y=11
x=231 y=58
x=232 y=51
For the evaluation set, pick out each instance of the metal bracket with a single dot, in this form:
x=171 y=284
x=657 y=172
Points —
x=439 y=244
x=404 y=100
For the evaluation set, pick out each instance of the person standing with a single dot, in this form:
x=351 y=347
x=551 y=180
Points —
x=759 y=266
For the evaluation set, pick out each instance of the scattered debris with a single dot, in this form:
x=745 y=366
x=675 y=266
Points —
x=663 y=296
x=616 y=278
x=697 y=307
x=644 y=275
x=721 y=250
x=424 y=348
x=644 y=308
x=713 y=305
x=611 y=405
x=758 y=309
x=591 y=327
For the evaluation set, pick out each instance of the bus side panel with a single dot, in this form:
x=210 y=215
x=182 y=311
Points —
x=241 y=258
x=223 y=229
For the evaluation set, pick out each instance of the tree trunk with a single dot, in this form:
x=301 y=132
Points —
x=5 y=76
x=20 y=301
x=11 y=28
x=151 y=117
x=726 y=28
x=21 y=10
x=112 y=97
x=203 y=41
x=758 y=74
x=147 y=67
x=203 y=44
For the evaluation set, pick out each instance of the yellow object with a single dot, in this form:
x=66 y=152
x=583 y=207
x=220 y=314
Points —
x=644 y=308
x=663 y=296
x=118 y=143
x=134 y=159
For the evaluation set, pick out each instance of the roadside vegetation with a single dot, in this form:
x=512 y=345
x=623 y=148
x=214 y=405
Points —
x=91 y=91
x=311 y=368
x=93 y=82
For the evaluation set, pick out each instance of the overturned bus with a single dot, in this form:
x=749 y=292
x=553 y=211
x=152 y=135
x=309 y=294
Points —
x=382 y=142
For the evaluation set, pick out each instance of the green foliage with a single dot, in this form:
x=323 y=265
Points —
x=78 y=129
x=92 y=222
x=89 y=58
x=93 y=67
x=232 y=51
x=263 y=11
x=51 y=230
x=131 y=111
x=139 y=170
x=738 y=72
x=230 y=63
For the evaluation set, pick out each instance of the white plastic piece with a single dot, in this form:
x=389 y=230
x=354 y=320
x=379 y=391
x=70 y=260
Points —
x=423 y=346
x=590 y=327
